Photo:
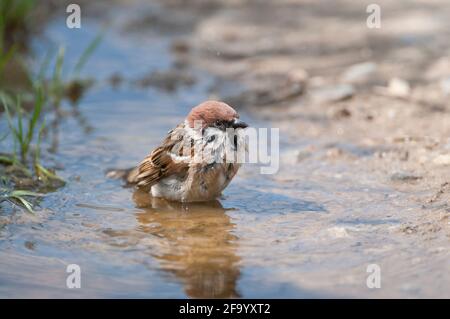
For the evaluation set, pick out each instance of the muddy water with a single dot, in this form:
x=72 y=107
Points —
x=308 y=231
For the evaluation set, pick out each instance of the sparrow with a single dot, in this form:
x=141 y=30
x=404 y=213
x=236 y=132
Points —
x=197 y=159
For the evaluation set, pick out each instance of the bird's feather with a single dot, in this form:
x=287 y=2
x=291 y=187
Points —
x=161 y=162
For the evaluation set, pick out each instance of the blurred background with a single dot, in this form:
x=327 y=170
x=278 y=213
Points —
x=360 y=94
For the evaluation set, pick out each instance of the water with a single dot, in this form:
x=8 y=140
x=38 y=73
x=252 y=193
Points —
x=308 y=231
x=125 y=244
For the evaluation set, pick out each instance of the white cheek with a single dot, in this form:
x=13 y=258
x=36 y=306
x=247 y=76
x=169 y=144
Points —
x=214 y=142
x=242 y=144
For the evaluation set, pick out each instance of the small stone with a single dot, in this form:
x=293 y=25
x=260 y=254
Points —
x=445 y=86
x=298 y=75
x=342 y=113
x=443 y=159
x=302 y=155
x=334 y=152
x=358 y=72
x=410 y=229
x=398 y=87
x=338 y=232
x=405 y=177
x=333 y=93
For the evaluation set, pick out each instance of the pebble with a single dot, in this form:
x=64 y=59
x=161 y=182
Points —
x=445 y=86
x=342 y=113
x=405 y=177
x=333 y=94
x=338 y=232
x=334 y=152
x=443 y=159
x=302 y=155
x=399 y=87
x=358 y=72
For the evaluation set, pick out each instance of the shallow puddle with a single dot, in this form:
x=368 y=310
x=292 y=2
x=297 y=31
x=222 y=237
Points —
x=308 y=231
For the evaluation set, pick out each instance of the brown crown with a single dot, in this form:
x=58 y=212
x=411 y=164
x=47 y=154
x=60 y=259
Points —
x=211 y=111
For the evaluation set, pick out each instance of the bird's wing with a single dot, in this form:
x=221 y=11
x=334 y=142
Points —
x=165 y=160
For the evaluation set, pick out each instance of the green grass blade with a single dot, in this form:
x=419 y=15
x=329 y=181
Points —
x=20 y=193
x=22 y=168
x=45 y=173
x=58 y=66
x=4 y=58
x=4 y=136
x=6 y=160
x=37 y=154
x=87 y=53
x=20 y=130
x=25 y=203
x=44 y=65
x=39 y=100
x=57 y=86
x=8 y=117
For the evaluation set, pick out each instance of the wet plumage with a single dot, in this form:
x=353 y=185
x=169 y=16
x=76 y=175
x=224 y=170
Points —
x=173 y=171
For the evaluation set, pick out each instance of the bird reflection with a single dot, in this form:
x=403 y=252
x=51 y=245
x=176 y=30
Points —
x=198 y=247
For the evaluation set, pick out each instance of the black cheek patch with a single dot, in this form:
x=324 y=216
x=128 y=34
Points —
x=211 y=138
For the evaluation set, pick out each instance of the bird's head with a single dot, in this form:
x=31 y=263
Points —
x=215 y=114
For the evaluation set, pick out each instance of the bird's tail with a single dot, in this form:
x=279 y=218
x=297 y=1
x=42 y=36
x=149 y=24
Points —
x=128 y=175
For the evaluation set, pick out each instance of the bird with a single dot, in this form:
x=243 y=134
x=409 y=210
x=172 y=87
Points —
x=196 y=160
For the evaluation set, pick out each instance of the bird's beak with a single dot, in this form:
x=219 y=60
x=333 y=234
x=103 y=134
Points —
x=237 y=123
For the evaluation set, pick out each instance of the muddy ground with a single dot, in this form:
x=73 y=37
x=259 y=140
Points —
x=368 y=106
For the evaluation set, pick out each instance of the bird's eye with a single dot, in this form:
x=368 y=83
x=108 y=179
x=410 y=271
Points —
x=211 y=138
